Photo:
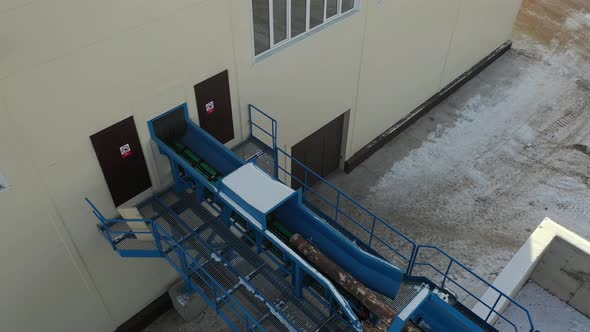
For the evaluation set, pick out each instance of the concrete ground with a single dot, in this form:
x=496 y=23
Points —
x=543 y=305
x=477 y=174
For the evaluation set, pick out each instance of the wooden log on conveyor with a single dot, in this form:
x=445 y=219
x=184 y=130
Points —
x=363 y=294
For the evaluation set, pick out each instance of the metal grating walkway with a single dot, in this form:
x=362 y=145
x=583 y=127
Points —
x=255 y=280
x=255 y=149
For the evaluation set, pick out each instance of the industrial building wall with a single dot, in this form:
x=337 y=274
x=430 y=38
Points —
x=42 y=277
x=405 y=49
x=414 y=48
x=69 y=68
x=305 y=85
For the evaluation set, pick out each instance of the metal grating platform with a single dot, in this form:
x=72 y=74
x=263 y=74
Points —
x=255 y=149
x=252 y=279
x=407 y=292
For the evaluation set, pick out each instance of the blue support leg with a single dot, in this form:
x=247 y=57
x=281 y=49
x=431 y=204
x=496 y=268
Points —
x=226 y=213
x=259 y=240
x=298 y=282
x=179 y=184
x=199 y=192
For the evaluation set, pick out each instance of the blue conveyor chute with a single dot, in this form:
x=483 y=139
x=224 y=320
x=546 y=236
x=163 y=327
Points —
x=372 y=271
x=240 y=190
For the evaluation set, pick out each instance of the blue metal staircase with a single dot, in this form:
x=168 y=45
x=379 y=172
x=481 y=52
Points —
x=232 y=254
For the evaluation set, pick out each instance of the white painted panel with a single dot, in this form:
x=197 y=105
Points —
x=257 y=188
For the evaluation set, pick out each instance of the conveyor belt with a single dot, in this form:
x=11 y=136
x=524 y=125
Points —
x=197 y=162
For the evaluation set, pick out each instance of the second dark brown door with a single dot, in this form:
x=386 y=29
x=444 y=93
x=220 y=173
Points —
x=214 y=107
x=319 y=151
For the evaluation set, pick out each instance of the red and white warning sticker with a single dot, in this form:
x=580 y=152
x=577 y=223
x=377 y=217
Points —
x=210 y=107
x=125 y=150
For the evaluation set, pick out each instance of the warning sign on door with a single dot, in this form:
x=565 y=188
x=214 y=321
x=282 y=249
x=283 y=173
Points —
x=210 y=107
x=126 y=151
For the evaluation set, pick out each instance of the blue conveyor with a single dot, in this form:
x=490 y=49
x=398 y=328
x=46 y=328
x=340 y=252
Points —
x=238 y=192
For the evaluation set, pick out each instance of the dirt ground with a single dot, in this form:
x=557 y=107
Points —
x=476 y=175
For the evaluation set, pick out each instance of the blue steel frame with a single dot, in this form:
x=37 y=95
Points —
x=299 y=268
x=161 y=237
x=189 y=268
x=114 y=237
x=166 y=246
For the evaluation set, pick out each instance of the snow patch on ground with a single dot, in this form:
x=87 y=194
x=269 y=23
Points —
x=216 y=257
x=576 y=21
x=272 y=309
x=441 y=294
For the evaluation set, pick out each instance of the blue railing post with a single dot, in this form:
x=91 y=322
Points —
x=412 y=260
x=493 y=307
x=250 y=118
x=304 y=180
x=446 y=273
x=298 y=281
x=372 y=231
x=337 y=207
x=157 y=240
x=103 y=222
x=274 y=148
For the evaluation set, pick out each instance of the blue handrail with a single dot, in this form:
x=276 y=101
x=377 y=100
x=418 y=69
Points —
x=446 y=277
x=412 y=261
x=374 y=218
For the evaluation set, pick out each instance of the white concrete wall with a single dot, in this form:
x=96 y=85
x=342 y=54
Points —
x=564 y=271
x=69 y=68
x=555 y=258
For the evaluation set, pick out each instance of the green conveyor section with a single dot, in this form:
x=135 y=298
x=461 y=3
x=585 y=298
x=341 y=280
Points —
x=197 y=162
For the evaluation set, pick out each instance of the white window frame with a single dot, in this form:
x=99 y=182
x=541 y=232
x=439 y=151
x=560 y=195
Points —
x=289 y=40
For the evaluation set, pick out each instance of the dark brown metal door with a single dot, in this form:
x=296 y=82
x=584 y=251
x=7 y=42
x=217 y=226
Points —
x=319 y=151
x=214 y=107
x=122 y=161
